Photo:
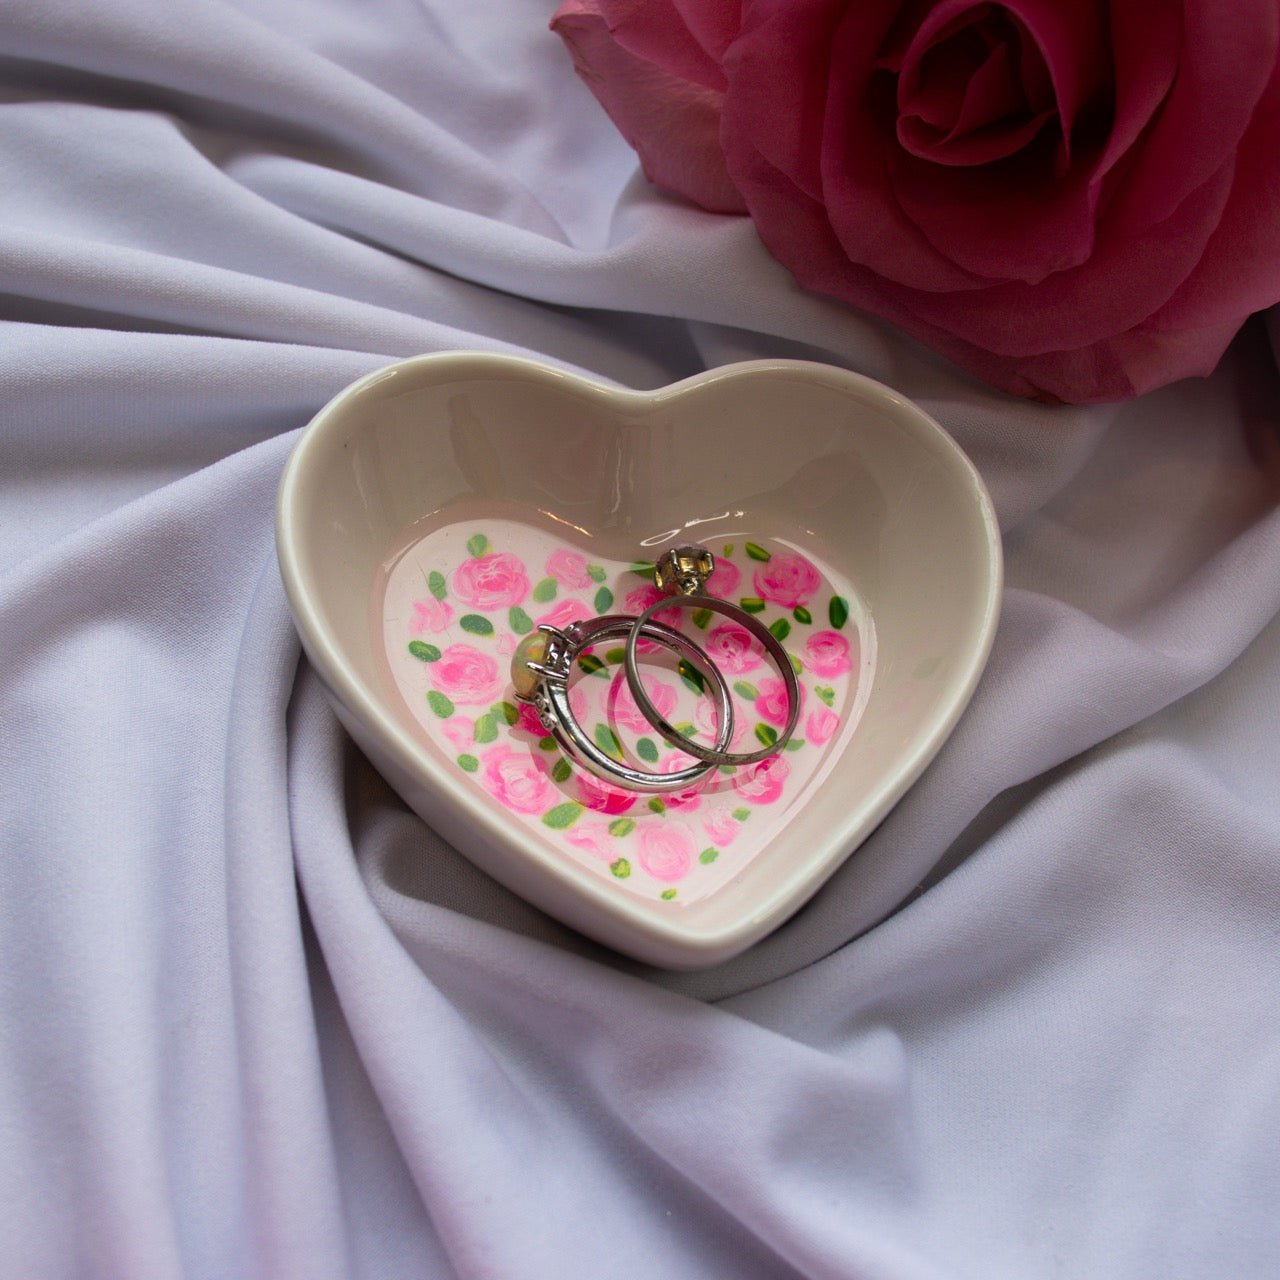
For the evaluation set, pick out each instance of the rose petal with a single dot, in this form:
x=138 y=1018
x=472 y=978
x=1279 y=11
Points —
x=674 y=125
x=684 y=37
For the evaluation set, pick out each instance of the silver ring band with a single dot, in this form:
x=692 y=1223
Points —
x=713 y=755
x=548 y=693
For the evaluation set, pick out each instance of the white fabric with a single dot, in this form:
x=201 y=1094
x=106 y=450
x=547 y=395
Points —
x=258 y=1021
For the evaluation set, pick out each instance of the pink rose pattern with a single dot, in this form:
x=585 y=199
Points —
x=477 y=609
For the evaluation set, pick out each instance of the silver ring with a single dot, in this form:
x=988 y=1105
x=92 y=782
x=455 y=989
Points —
x=540 y=676
x=684 y=571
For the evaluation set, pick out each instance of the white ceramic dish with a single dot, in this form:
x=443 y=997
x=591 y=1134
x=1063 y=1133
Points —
x=434 y=507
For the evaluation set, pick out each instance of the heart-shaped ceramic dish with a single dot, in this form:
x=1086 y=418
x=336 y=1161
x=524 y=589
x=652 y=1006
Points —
x=434 y=509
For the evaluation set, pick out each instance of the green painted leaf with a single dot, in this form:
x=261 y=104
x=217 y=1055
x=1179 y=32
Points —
x=486 y=728
x=826 y=693
x=621 y=868
x=780 y=628
x=767 y=734
x=752 y=604
x=435 y=584
x=468 y=763
x=477 y=545
x=616 y=656
x=476 y=623
x=604 y=600
x=544 y=591
x=692 y=676
x=622 y=827
x=563 y=815
x=794 y=744
x=745 y=689
x=439 y=704
x=756 y=551
x=701 y=617
x=561 y=771
x=607 y=741
x=424 y=652
x=592 y=665
x=547 y=744
x=742 y=814
x=838 y=611
x=728 y=550
x=667 y=894
x=519 y=621
x=657 y=805
x=596 y=572
x=708 y=856
x=644 y=568
x=685 y=729
x=647 y=750
x=796 y=665
x=801 y=614
x=507 y=711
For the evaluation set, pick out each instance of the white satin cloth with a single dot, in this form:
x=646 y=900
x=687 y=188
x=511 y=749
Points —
x=257 y=1020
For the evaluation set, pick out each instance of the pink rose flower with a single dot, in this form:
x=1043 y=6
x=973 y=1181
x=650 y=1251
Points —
x=461 y=732
x=1073 y=201
x=821 y=724
x=518 y=780
x=762 y=782
x=720 y=826
x=725 y=580
x=529 y=720
x=603 y=796
x=592 y=837
x=566 y=611
x=773 y=705
x=666 y=850
x=827 y=654
x=430 y=615
x=466 y=676
x=495 y=581
x=691 y=797
x=621 y=704
x=569 y=569
x=787 y=580
x=732 y=649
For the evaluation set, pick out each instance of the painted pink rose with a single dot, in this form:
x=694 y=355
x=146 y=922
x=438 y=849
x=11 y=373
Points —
x=732 y=649
x=721 y=827
x=691 y=797
x=667 y=850
x=529 y=720
x=518 y=780
x=430 y=615
x=773 y=705
x=495 y=581
x=762 y=782
x=726 y=579
x=466 y=676
x=569 y=569
x=827 y=654
x=602 y=796
x=821 y=724
x=788 y=580
x=592 y=837
x=461 y=732
x=707 y=722
x=621 y=705
x=565 y=611
x=1073 y=201
x=638 y=601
